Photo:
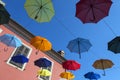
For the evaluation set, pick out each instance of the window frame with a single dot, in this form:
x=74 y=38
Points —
x=1 y=30
x=50 y=70
x=23 y=68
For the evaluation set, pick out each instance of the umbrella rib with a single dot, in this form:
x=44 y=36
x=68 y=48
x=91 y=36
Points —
x=11 y=40
x=84 y=47
x=31 y=5
x=87 y=13
x=46 y=14
x=40 y=44
x=111 y=44
x=116 y=48
x=49 y=9
x=47 y=3
x=100 y=10
x=102 y=3
x=73 y=47
x=38 y=2
x=33 y=11
x=43 y=45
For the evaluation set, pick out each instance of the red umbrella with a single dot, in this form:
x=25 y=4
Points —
x=71 y=65
x=92 y=11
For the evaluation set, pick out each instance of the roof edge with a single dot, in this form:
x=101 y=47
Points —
x=26 y=35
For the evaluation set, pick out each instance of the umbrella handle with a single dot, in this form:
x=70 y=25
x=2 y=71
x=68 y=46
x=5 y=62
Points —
x=79 y=49
x=80 y=55
x=104 y=74
x=103 y=67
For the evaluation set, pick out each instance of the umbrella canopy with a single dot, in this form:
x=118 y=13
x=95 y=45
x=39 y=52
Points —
x=103 y=64
x=19 y=59
x=4 y=15
x=114 y=45
x=92 y=75
x=40 y=10
x=10 y=40
x=67 y=75
x=42 y=62
x=41 y=43
x=79 y=45
x=92 y=11
x=71 y=65
x=44 y=72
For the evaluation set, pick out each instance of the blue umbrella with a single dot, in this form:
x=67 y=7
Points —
x=19 y=59
x=79 y=45
x=92 y=75
x=42 y=62
x=10 y=40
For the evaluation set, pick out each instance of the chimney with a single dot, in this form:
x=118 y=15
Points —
x=61 y=52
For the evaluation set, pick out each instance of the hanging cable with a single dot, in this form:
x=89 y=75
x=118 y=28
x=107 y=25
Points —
x=109 y=27
x=64 y=26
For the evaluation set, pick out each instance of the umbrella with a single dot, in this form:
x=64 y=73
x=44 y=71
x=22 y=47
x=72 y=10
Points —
x=40 y=10
x=92 y=11
x=42 y=62
x=114 y=45
x=20 y=59
x=44 y=72
x=71 y=65
x=92 y=75
x=103 y=64
x=79 y=45
x=41 y=43
x=11 y=40
x=4 y=15
x=67 y=75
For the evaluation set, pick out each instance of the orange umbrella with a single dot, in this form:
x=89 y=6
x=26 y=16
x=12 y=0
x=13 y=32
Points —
x=41 y=43
x=67 y=75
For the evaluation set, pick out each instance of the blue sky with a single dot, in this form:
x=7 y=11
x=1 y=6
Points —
x=67 y=27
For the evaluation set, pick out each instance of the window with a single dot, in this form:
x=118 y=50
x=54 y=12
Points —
x=46 y=77
x=25 y=50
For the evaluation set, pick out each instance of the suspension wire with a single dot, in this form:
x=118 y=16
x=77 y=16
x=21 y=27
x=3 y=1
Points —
x=64 y=26
x=98 y=56
x=109 y=27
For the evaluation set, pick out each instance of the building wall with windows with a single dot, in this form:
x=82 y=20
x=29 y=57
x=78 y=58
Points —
x=13 y=71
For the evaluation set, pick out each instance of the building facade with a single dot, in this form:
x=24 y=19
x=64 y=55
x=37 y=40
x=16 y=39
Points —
x=28 y=71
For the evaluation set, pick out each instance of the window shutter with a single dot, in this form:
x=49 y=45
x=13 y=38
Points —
x=46 y=77
x=20 y=50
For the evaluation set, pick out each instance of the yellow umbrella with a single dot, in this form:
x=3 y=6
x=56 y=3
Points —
x=43 y=72
x=41 y=43
x=67 y=75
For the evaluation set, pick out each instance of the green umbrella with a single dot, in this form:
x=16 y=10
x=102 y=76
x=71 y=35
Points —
x=4 y=15
x=40 y=10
